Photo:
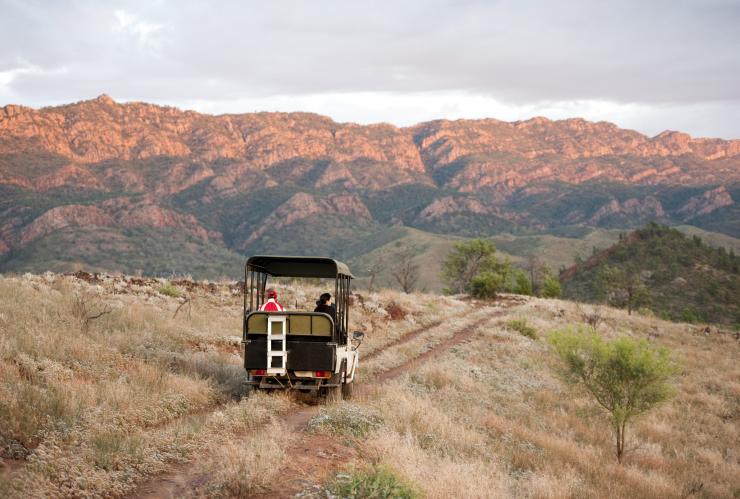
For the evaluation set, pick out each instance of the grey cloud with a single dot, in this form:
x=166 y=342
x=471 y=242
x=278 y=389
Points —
x=661 y=52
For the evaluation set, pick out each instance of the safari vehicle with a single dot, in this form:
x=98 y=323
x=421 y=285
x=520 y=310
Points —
x=301 y=350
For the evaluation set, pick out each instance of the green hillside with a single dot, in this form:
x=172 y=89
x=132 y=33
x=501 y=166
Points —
x=677 y=276
x=152 y=252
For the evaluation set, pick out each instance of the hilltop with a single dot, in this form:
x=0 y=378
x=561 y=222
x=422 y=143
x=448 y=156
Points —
x=94 y=183
x=452 y=400
x=684 y=278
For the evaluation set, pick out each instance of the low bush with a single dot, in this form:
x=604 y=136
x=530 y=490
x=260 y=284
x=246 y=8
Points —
x=347 y=420
x=168 y=289
x=395 y=311
x=486 y=284
x=522 y=327
x=379 y=482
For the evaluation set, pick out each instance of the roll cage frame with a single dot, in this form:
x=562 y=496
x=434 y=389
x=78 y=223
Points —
x=258 y=268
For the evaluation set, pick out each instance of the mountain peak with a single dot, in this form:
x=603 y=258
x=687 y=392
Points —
x=104 y=99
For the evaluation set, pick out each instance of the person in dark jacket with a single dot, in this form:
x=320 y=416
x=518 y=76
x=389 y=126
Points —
x=326 y=306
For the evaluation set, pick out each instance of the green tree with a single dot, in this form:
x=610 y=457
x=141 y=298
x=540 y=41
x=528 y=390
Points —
x=486 y=284
x=466 y=260
x=522 y=284
x=625 y=287
x=550 y=286
x=626 y=377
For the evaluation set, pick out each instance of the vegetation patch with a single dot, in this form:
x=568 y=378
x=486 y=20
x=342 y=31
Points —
x=347 y=420
x=678 y=277
x=168 y=289
x=379 y=482
x=625 y=377
x=522 y=327
x=395 y=311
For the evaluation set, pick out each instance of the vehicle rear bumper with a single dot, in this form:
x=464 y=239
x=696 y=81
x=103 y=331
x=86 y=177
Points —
x=302 y=355
x=290 y=382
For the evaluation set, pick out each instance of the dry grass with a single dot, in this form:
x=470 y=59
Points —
x=93 y=410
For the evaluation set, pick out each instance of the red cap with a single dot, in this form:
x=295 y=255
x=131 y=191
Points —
x=272 y=294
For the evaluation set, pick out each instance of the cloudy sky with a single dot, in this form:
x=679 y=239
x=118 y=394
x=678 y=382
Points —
x=647 y=65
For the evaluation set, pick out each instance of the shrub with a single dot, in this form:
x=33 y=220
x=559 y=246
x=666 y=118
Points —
x=521 y=326
x=379 y=482
x=486 y=284
x=522 y=284
x=551 y=286
x=168 y=289
x=395 y=311
x=626 y=377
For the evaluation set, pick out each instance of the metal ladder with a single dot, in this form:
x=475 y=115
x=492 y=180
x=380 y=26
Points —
x=282 y=337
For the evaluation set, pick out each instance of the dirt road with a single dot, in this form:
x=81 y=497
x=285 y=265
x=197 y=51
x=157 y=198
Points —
x=316 y=457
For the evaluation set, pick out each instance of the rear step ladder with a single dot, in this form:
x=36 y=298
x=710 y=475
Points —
x=273 y=320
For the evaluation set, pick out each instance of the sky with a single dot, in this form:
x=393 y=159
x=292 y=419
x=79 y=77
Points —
x=646 y=65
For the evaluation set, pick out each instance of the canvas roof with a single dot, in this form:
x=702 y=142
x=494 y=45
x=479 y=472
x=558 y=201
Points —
x=298 y=266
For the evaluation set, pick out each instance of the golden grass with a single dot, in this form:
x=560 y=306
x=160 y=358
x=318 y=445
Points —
x=95 y=409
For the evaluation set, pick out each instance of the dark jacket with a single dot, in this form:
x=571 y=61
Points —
x=326 y=309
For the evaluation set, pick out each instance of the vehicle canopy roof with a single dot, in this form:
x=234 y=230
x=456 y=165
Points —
x=298 y=266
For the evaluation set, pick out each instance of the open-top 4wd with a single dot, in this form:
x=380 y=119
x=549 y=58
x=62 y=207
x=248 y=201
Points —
x=298 y=349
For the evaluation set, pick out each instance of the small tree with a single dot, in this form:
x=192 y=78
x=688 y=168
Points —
x=486 y=284
x=550 y=285
x=406 y=272
x=522 y=284
x=625 y=287
x=626 y=377
x=466 y=260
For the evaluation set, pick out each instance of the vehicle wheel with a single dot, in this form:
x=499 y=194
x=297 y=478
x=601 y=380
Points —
x=333 y=394
x=246 y=391
x=347 y=389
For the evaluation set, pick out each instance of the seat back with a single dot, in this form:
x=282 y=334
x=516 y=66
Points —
x=299 y=323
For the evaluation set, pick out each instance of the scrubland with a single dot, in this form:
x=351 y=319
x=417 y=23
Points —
x=102 y=406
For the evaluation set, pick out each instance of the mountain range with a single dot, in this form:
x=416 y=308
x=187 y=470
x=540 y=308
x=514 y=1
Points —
x=138 y=187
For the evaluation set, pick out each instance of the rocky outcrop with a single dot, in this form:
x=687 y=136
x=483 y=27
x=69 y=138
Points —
x=119 y=212
x=706 y=203
x=482 y=153
x=101 y=130
x=648 y=208
x=145 y=213
x=127 y=166
x=64 y=216
x=449 y=205
x=303 y=205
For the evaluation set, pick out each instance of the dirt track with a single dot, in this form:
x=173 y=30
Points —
x=314 y=457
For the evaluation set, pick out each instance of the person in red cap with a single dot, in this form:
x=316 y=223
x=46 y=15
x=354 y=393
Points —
x=272 y=305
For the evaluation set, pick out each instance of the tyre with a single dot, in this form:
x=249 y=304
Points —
x=347 y=389
x=334 y=394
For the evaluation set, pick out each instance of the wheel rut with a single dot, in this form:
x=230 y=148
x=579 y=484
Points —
x=313 y=456
x=405 y=338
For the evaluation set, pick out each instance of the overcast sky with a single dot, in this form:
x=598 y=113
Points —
x=645 y=65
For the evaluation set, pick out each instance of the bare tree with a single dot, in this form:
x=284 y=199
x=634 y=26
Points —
x=534 y=268
x=406 y=272
x=373 y=272
x=87 y=308
x=625 y=287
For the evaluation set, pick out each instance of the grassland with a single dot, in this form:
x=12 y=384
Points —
x=453 y=400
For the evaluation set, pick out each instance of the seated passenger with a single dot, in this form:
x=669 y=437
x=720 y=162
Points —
x=326 y=306
x=272 y=305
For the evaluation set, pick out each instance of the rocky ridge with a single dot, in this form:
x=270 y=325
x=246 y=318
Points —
x=230 y=179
